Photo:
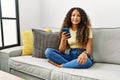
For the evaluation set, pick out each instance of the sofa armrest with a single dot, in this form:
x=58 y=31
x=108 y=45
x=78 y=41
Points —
x=11 y=52
x=5 y=54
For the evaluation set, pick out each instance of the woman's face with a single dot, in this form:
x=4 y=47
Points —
x=75 y=17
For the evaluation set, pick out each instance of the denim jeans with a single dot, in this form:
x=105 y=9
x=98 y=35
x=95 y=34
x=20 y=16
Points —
x=67 y=60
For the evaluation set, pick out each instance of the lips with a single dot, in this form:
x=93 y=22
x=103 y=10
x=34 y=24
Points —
x=76 y=21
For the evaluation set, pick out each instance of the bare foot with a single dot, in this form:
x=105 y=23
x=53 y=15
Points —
x=58 y=65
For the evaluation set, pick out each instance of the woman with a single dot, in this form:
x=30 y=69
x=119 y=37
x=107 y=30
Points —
x=74 y=49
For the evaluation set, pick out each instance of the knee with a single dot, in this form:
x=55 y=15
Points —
x=48 y=51
x=88 y=63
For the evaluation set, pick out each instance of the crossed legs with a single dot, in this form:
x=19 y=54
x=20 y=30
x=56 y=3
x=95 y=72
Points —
x=63 y=60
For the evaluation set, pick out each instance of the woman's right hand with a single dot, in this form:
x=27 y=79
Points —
x=65 y=36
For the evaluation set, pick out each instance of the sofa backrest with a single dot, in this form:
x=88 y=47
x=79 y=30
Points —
x=106 y=45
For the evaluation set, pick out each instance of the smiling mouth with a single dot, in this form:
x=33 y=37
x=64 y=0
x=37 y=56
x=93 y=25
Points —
x=75 y=20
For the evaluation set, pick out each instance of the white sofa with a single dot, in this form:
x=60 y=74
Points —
x=106 y=57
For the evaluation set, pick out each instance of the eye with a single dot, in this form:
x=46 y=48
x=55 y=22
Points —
x=73 y=15
x=78 y=15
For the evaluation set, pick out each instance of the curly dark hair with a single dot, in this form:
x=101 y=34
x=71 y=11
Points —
x=83 y=27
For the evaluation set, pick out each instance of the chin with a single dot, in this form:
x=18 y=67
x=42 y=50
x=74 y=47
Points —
x=75 y=23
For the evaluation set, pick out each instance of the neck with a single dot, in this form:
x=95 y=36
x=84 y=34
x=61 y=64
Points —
x=74 y=27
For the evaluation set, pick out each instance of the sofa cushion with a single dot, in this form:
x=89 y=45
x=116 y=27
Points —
x=37 y=67
x=43 y=40
x=99 y=71
x=27 y=39
x=106 y=45
x=41 y=68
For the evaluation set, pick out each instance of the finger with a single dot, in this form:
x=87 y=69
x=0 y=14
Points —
x=84 y=61
x=80 y=61
x=68 y=34
x=63 y=33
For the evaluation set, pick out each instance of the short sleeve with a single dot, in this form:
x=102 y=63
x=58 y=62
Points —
x=90 y=34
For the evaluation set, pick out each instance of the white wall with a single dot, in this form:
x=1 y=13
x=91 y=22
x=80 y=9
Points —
x=102 y=13
x=50 y=13
x=29 y=14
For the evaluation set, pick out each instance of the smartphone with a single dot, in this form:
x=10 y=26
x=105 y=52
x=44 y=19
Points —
x=66 y=30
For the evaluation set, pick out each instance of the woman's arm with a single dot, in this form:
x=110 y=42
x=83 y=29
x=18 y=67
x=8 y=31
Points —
x=82 y=58
x=89 y=47
x=63 y=42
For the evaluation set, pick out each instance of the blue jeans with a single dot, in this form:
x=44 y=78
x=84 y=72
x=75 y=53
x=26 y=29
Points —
x=67 y=60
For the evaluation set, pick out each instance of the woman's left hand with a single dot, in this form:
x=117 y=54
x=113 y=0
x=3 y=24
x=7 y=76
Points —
x=82 y=58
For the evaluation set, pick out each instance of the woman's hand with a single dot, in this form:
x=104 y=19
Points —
x=82 y=58
x=65 y=36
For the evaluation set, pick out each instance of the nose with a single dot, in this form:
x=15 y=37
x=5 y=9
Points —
x=75 y=17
